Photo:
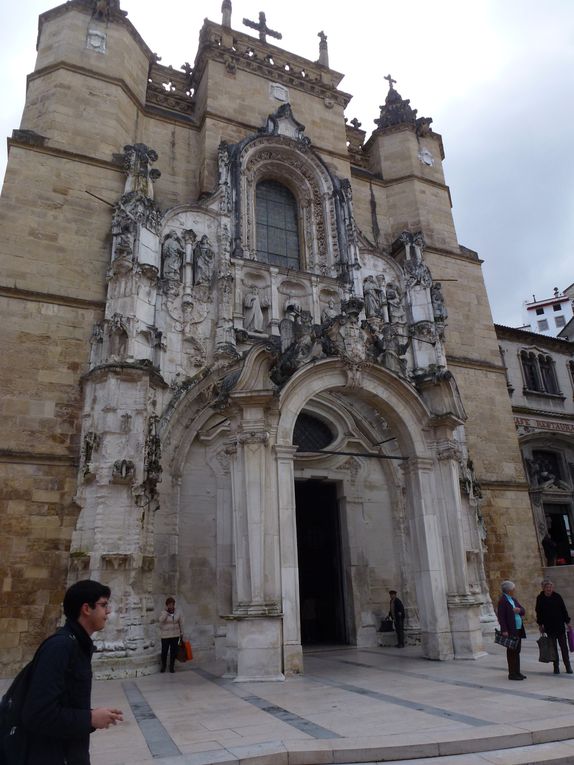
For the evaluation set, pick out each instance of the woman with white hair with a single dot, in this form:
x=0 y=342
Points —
x=510 y=614
x=553 y=619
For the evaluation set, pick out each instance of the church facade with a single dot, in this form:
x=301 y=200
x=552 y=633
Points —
x=248 y=362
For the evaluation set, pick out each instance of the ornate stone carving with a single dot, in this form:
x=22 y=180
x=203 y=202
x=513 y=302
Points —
x=395 y=303
x=172 y=255
x=152 y=462
x=374 y=295
x=90 y=444
x=123 y=471
x=203 y=261
x=438 y=307
x=137 y=165
x=254 y=305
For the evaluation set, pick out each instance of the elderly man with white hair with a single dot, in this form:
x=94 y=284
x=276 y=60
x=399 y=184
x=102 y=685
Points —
x=510 y=614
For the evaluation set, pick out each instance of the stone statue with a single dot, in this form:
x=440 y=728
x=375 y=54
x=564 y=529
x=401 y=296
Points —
x=395 y=304
x=438 y=307
x=329 y=312
x=373 y=297
x=172 y=252
x=417 y=273
x=253 y=319
x=202 y=261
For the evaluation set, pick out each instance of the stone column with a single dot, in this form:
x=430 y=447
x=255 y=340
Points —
x=292 y=651
x=256 y=612
x=464 y=608
x=427 y=565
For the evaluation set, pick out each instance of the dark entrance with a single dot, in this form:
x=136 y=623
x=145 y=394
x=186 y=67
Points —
x=320 y=570
x=559 y=521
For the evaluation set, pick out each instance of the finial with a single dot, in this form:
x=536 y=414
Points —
x=390 y=81
x=323 y=50
x=262 y=28
x=226 y=14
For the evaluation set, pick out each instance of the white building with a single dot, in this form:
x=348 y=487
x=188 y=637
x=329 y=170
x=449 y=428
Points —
x=550 y=315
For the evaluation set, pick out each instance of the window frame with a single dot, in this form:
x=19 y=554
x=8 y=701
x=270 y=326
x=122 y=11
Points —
x=287 y=262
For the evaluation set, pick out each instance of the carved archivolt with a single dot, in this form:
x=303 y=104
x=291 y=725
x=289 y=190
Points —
x=289 y=162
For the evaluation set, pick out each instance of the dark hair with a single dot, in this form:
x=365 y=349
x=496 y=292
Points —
x=392 y=592
x=85 y=591
x=169 y=600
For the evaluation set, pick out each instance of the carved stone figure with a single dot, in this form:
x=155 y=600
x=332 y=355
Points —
x=417 y=272
x=329 y=312
x=172 y=252
x=395 y=304
x=137 y=165
x=373 y=297
x=438 y=307
x=253 y=320
x=123 y=471
x=202 y=261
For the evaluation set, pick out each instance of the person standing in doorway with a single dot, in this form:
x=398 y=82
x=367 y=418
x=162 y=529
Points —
x=552 y=618
x=510 y=614
x=171 y=630
x=397 y=614
x=56 y=714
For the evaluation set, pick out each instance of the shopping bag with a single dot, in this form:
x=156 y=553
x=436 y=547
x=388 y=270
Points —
x=181 y=654
x=546 y=650
x=506 y=640
x=570 y=633
x=386 y=624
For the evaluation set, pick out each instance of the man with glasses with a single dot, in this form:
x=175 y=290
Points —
x=57 y=715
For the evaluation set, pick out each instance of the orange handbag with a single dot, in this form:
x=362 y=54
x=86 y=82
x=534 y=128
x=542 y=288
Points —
x=188 y=652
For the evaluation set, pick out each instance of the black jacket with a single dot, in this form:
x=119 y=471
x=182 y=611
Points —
x=56 y=712
x=551 y=612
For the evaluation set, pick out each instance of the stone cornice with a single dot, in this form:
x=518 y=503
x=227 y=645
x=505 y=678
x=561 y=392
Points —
x=238 y=50
x=503 y=486
x=542 y=413
x=65 y=154
x=14 y=457
x=32 y=296
x=527 y=338
x=468 y=363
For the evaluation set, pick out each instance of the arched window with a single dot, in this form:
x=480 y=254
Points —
x=277 y=236
x=548 y=374
x=530 y=371
x=311 y=434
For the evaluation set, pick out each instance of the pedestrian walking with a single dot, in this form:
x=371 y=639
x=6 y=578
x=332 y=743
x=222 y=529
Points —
x=171 y=631
x=397 y=614
x=553 y=619
x=57 y=717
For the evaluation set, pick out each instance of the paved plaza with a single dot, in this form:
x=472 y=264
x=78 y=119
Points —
x=351 y=705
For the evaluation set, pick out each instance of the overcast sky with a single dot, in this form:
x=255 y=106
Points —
x=496 y=76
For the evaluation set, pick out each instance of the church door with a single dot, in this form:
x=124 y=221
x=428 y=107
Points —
x=320 y=565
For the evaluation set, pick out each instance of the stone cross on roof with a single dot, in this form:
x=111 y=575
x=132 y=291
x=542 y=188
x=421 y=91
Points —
x=390 y=81
x=262 y=28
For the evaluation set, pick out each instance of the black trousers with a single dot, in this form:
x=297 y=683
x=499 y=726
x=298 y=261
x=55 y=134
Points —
x=169 y=644
x=563 y=643
x=513 y=659
x=400 y=630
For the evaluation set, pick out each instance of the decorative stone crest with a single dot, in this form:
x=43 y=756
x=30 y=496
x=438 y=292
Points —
x=137 y=165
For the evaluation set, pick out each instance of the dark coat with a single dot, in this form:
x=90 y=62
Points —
x=399 y=615
x=57 y=710
x=551 y=612
x=506 y=617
